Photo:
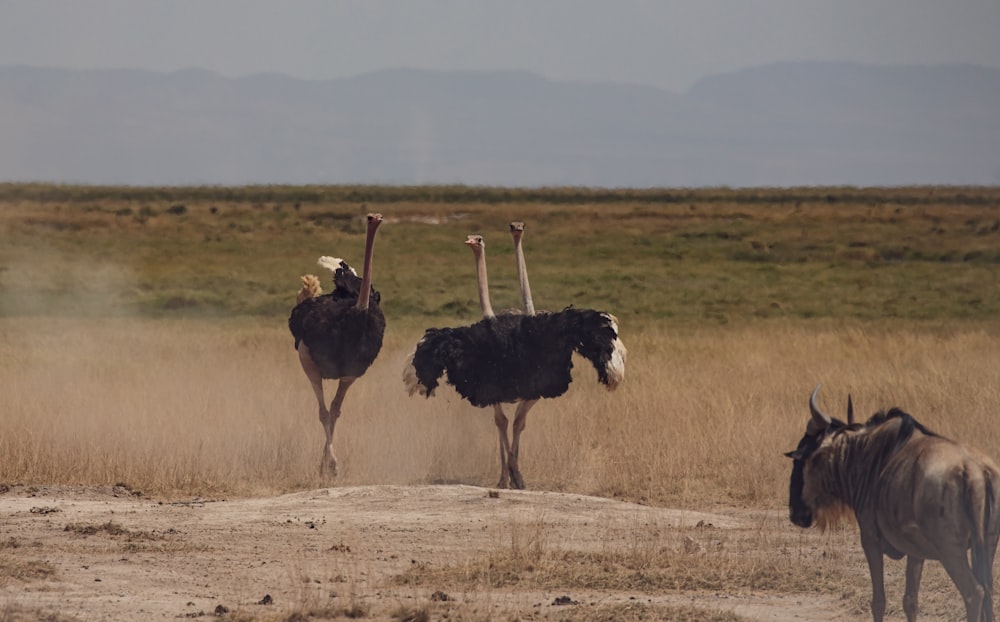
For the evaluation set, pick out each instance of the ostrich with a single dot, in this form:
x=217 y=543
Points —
x=478 y=246
x=521 y=413
x=515 y=358
x=339 y=334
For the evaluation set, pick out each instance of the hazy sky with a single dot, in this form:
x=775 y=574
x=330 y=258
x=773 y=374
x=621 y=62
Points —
x=668 y=44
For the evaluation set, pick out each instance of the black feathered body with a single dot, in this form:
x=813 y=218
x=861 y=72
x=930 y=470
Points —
x=517 y=357
x=343 y=340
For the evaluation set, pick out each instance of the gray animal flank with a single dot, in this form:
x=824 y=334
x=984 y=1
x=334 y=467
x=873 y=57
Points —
x=914 y=493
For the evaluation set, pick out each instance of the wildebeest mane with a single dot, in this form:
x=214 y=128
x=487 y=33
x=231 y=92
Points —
x=907 y=426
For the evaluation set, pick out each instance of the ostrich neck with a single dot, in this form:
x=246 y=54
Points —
x=522 y=276
x=366 y=278
x=484 y=288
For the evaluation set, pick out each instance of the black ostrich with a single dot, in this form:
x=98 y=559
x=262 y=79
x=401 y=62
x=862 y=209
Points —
x=516 y=358
x=339 y=334
x=521 y=413
x=478 y=246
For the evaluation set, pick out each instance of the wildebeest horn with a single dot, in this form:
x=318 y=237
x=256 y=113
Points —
x=820 y=420
x=850 y=410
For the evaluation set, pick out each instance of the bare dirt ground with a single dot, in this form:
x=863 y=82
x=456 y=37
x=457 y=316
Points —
x=113 y=554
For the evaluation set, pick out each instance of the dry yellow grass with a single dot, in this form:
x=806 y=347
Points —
x=186 y=408
x=202 y=407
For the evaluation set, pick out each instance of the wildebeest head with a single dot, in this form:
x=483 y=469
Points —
x=821 y=427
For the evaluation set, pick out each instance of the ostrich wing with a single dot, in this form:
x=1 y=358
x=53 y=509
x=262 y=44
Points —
x=482 y=360
x=596 y=339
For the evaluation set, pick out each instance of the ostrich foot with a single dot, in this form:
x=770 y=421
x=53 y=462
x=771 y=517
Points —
x=504 y=480
x=328 y=467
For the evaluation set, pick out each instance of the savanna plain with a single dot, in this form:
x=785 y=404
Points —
x=159 y=443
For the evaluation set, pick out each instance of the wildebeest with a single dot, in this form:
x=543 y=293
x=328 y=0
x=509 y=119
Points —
x=913 y=493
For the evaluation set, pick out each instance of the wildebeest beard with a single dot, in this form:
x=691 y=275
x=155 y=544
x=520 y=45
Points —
x=824 y=510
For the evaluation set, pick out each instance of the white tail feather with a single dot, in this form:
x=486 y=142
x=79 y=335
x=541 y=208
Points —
x=615 y=367
x=410 y=378
x=333 y=264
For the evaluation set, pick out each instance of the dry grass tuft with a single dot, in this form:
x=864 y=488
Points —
x=641 y=612
x=12 y=568
x=655 y=561
x=110 y=528
x=411 y=614
x=16 y=613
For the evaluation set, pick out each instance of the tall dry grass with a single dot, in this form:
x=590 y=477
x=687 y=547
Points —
x=187 y=407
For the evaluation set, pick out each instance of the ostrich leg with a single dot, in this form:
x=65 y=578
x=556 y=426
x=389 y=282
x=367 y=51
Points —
x=329 y=460
x=501 y=420
x=520 y=420
x=327 y=416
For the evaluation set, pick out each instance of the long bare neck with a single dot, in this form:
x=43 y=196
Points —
x=484 y=287
x=374 y=220
x=522 y=271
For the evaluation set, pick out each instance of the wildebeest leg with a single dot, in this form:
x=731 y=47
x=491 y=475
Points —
x=501 y=420
x=914 y=570
x=956 y=564
x=329 y=460
x=520 y=420
x=873 y=553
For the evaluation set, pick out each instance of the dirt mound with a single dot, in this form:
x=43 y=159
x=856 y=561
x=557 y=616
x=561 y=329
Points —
x=110 y=553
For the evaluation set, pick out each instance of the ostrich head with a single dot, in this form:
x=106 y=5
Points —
x=517 y=230
x=476 y=243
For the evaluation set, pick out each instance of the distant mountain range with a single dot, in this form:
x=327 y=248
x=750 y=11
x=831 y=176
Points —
x=810 y=123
